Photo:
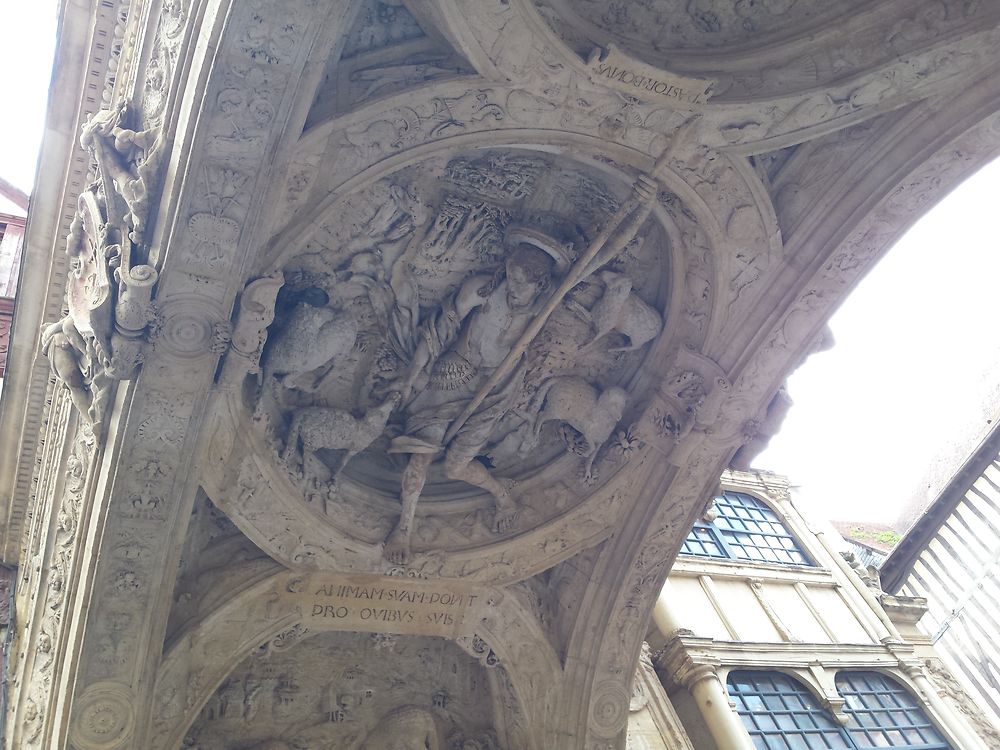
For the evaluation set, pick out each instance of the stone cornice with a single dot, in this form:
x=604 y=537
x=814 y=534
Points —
x=683 y=651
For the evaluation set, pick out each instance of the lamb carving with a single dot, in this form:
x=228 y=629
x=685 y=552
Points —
x=319 y=427
x=311 y=342
x=620 y=309
x=592 y=413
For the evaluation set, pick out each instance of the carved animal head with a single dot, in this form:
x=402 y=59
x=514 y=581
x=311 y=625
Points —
x=613 y=401
x=383 y=410
x=614 y=279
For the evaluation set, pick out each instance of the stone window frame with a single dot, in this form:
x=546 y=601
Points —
x=835 y=725
x=890 y=691
x=711 y=539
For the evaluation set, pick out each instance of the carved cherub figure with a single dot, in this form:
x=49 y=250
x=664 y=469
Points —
x=117 y=149
x=70 y=358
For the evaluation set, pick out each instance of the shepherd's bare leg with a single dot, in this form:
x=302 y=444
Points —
x=459 y=466
x=397 y=544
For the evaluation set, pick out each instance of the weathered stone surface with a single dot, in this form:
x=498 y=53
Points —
x=414 y=334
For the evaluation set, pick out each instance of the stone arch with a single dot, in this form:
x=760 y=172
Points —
x=499 y=631
x=917 y=180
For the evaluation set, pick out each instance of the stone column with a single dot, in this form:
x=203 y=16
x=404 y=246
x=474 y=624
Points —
x=724 y=724
x=952 y=724
x=701 y=679
x=664 y=616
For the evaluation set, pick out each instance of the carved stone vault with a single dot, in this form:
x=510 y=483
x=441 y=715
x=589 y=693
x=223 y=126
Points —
x=396 y=344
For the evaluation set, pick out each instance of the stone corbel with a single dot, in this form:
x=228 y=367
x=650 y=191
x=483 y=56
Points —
x=691 y=673
x=685 y=407
x=823 y=680
x=249 y=332
x=919 y=680
x=761 y=429
x=679 y=667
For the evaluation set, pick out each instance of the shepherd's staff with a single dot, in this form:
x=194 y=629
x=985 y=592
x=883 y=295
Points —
x=641 y=203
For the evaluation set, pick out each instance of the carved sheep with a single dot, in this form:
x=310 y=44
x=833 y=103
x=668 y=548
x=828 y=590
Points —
x=312 y=340
x=620 y=309
x=318 y=427
x=591 y=413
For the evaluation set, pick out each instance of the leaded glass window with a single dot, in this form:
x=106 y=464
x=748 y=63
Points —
x=779 y=713
x=703 y=541
x=884 y=714
x=744 y=528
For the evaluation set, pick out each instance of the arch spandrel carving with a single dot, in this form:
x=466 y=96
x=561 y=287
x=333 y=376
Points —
x=386 y=614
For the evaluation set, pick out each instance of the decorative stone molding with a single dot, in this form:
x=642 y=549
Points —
x=307 y=244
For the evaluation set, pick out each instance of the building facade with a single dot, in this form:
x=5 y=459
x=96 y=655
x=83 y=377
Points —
x=13 y=215
x=374 y=358
x=949 y=556
x=767 y=637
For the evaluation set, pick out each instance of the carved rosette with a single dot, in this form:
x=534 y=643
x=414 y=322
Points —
x=609 y=708
x=105 y=717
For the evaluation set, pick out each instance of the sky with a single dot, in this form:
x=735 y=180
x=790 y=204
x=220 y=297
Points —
x=917 y=354
x=25 y=69
x=916 y=351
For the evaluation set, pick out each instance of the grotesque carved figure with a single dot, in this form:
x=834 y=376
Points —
x=592 y=414
x=407 y=728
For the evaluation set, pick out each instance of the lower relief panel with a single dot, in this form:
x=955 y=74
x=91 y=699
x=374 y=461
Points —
x=352 y=691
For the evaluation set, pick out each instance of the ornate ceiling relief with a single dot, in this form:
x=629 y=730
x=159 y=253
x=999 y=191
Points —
x=662 y=27
x=386 y=51
x=454 y=327
x=427 y=357
x=758 y=50
x=378 y=621
x=333 y=690
x=457 y=358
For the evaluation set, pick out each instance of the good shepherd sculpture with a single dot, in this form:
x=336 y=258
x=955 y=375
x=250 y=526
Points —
x=441 y=342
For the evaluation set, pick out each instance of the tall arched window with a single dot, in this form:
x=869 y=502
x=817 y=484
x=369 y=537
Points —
x=884 y=714
x=781 y=714
x=744 y=528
